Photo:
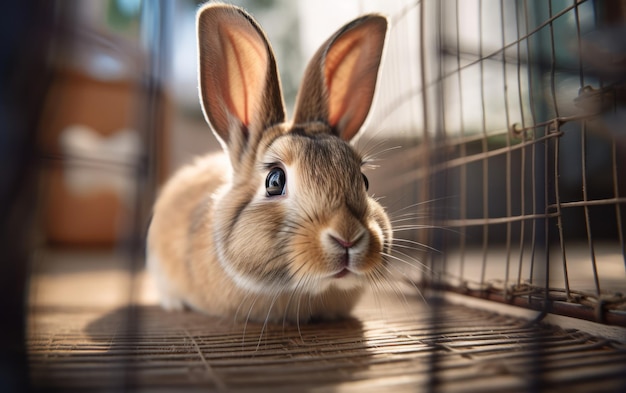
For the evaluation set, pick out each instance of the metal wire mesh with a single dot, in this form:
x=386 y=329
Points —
x=527 y=151
x=515 y=148
x=369 y=354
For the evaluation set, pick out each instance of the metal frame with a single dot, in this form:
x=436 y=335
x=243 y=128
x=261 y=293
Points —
x=523 y=158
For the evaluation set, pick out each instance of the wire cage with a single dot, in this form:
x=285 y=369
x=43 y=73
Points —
x=528 y=153
x=508 y=187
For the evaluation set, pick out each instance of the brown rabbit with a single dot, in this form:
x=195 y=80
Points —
x=281 y=226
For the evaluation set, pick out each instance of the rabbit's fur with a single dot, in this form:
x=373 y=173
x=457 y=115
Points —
x=218 y=241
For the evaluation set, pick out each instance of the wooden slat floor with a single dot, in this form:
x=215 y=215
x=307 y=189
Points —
x=392 y=344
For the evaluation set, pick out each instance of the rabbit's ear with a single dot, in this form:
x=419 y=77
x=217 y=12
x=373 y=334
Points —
x=339 y=82
x=239 y=85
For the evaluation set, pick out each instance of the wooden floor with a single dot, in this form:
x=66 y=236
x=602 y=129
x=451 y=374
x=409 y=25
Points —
x=84 y=336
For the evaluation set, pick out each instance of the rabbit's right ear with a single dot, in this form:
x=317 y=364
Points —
x=239 y=85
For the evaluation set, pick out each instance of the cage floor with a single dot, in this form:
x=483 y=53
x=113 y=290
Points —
x=82 y=336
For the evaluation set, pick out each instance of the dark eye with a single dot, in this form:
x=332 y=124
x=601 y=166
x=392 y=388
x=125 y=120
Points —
x=275 y=182
x=367 y=182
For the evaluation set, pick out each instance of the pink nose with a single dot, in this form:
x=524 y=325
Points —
x=342 y=242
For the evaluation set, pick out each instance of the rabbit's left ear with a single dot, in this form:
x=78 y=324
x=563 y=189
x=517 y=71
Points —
x=339 y=83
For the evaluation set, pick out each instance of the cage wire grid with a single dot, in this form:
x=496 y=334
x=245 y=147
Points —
x=517 y=108
x=477 y=350
x=494 y=176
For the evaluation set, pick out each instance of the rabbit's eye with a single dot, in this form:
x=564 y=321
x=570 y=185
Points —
x=367 y=182
x=275 y=182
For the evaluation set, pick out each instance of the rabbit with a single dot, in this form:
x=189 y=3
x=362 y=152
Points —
x=279 y=226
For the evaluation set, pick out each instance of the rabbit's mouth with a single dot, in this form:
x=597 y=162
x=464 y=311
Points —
x=345 y=261
x=342 y=273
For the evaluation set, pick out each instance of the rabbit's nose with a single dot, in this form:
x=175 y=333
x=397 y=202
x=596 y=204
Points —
x=344 y=243
x=351 y=242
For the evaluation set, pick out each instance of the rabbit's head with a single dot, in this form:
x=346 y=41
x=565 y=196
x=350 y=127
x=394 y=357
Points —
x=296 y=215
